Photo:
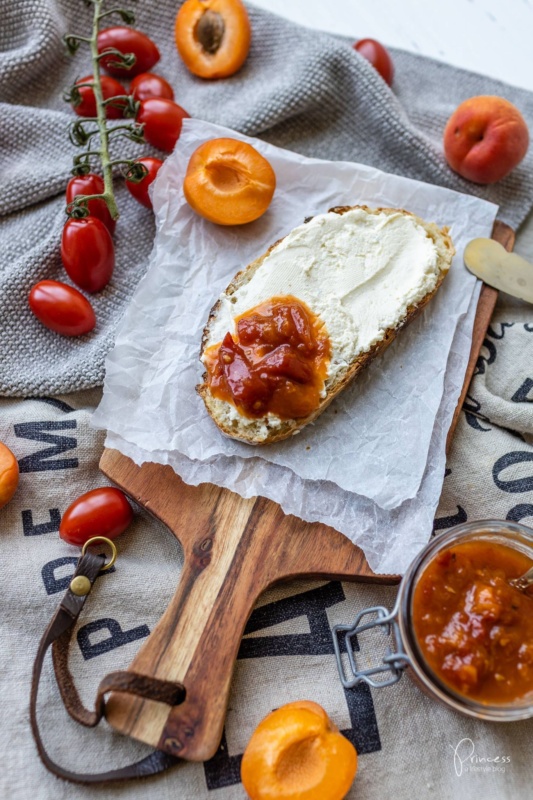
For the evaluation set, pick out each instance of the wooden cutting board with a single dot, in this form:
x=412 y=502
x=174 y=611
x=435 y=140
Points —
x=234 y=549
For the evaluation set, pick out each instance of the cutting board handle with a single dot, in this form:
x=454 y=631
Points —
x=197 y=639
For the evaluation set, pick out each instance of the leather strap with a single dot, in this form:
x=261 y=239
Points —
x=58 y=634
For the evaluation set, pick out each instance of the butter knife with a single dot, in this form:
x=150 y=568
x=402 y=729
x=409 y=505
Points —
x=507 y=272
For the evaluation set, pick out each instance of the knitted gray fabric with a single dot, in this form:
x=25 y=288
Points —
x=299 y=89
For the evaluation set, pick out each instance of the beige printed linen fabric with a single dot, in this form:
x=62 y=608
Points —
x=406 y=741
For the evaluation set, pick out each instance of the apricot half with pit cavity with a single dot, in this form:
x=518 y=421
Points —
x=296 y=753
x=229 y=182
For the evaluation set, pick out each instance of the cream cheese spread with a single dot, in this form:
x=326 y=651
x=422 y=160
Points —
x=358 y=271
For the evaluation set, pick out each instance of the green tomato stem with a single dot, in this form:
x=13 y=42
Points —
x=108 y=194
x=83 y=199
x=105 y=14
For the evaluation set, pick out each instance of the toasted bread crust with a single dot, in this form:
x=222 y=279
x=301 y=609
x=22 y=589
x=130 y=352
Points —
x=245 y=432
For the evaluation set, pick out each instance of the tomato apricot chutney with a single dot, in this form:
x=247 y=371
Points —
x=275 y=362
x=474 y=630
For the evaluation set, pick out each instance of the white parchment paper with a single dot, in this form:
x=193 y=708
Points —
x=371 y=451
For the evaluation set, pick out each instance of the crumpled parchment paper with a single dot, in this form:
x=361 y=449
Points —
x=380 y=445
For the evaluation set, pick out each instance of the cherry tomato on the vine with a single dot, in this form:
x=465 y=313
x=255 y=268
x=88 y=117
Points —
x=148 y=85
x=87 y=253
x=127 y=40
x=140 y=190
x=162 y=120
x=91 y=184
x=378 y=56
x=110 y=88
x=61 y=308
x=101 y=512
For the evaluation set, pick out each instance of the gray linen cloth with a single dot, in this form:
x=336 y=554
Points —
x=299 y=89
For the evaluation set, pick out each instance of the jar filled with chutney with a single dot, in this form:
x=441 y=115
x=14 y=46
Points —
x=460 y=628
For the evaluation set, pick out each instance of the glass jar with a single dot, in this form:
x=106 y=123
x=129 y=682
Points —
x=406 y=653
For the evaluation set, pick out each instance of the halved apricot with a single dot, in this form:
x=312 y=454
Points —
x=229 y=182
x=213 y=36
x=296 y=753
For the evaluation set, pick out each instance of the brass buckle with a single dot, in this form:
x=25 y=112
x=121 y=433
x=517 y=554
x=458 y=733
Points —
x=107 y=541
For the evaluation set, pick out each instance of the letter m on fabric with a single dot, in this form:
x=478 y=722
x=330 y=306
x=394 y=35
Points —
x=42 y=460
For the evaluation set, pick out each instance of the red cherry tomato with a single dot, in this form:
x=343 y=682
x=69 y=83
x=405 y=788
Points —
x=378 y=56
x=148 y=85
x=162 y=120
x=91 y=184
x=110 y=88
x=61 y=308
x=102 y=512
x=140 y=190
x=87 y=253
x=127 y=40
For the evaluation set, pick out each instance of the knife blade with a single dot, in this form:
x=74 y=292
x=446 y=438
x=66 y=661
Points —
x=507 y=272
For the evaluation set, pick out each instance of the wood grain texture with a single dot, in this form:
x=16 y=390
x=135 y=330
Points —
x=234 y=549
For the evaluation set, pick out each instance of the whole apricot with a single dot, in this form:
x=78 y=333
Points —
x=229 y=182
x=9 y=475
x=213 y=36
x=485 y=138
x=296 y=753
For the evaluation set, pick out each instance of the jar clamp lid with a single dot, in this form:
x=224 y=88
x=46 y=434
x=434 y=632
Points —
x=393 y=662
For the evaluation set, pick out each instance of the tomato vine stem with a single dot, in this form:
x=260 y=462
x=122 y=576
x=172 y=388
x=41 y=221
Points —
x=107 y=169
x=79 y=135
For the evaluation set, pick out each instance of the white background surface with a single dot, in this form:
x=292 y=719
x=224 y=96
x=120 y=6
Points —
x=492 y=37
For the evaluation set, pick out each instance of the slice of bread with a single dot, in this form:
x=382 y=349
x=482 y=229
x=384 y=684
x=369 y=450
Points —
x=269 y=429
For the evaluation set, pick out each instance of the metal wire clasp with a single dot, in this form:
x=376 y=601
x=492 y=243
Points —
x=393 y=662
